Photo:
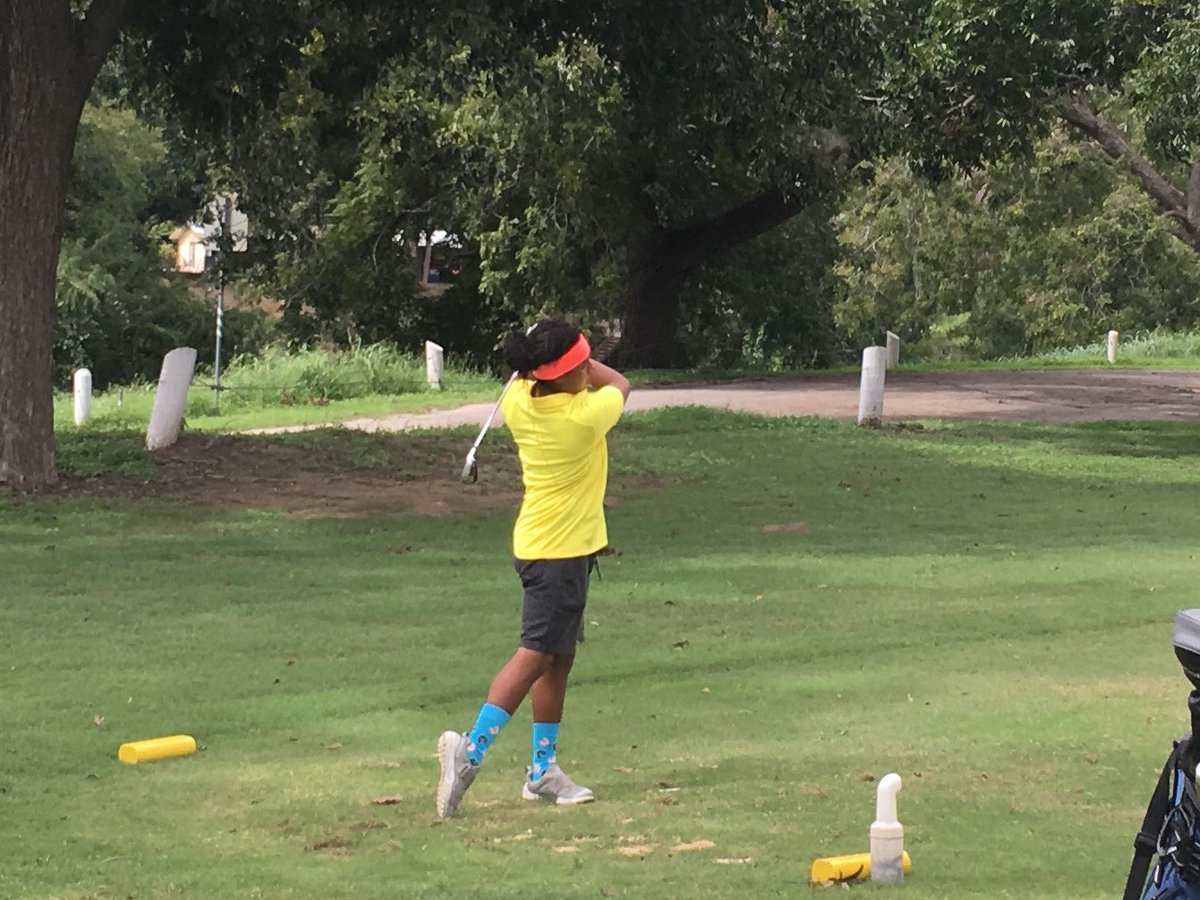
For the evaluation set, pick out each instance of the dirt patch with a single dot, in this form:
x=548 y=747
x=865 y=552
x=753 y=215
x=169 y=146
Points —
x=381 y=466
x=231 y=471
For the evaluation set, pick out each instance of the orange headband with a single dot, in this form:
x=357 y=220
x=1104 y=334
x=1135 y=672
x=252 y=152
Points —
x=572 y=359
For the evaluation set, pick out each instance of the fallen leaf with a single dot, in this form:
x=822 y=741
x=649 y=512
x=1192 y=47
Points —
x=635 y=850
x=334 y=746
x=679 y=645
x=693 y=846
x=705 y=691
x=665 y=784
x=98 y=721
x=388 y=801
x=866 y=776
x=667 y=800
x=787 y=528
x=735 y=860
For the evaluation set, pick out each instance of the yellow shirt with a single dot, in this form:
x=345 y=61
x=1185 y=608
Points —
x=564 y=466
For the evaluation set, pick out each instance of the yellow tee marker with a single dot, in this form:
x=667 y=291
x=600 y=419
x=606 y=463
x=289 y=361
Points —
x=844 y=869
x=156 y=748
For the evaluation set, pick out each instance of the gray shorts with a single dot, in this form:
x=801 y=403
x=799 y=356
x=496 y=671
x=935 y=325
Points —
x=555 y=597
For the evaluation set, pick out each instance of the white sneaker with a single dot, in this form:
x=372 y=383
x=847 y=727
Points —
x=457 y=772
x=557 y=787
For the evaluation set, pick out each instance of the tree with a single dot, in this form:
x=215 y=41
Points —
x=50 y=54
x=1164 y=90
x=118 y=312
x=215 y=64
x=716 y=122
x=1015 y=257
x=617 y=149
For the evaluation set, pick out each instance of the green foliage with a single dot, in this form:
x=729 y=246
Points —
x=284 y=377
x=1012 y=259
x=1166 y=89
x=118 y=310
x=557 y=142
x=768 y=305
x=541 y=155
x=970 y=80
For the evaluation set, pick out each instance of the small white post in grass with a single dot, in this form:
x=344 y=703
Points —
x=870 y=391
x=83 y=396
x=1114 y=337
x=893 y=349
x=170 y=399
x=434 y=362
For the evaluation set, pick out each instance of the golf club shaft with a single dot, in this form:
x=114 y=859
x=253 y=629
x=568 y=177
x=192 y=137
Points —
x=492 y=417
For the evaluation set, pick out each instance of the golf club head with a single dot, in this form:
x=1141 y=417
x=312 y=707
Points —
x=470 y=472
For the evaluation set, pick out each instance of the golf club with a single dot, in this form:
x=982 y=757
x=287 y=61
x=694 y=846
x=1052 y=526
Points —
x=470 y=472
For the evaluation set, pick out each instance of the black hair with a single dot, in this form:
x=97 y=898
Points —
x=547 y=341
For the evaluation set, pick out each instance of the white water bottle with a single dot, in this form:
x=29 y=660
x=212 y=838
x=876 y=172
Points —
x=887 y=834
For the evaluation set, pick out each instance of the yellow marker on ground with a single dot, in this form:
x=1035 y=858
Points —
x=156 y=748
x=855 y=867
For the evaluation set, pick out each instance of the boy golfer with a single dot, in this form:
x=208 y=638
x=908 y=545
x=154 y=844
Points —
x=559 y=412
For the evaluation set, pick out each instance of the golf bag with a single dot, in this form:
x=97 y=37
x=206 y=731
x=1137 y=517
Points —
x=1170 y=833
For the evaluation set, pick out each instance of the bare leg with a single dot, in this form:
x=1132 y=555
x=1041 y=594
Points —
x=519 y=674
x=550 y=690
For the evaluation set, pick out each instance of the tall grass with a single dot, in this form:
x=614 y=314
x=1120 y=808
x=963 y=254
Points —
x=296 y=385
x=282 y=377
x=1154 y=345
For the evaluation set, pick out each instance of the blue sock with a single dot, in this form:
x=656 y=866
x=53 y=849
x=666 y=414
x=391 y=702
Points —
x=487 y=726
x=545 y=748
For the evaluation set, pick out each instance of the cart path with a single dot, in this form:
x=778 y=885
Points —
x=1039 y=395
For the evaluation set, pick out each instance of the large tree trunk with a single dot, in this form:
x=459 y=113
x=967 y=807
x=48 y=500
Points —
x=660 y=267
x=48 y=61
x=658 y=272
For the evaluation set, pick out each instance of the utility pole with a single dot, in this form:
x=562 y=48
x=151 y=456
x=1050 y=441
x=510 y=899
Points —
x=222 y=241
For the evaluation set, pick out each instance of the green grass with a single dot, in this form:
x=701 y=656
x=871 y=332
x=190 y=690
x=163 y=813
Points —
x=985 y=609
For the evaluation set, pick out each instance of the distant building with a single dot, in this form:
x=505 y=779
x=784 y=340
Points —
x=191 y=249
x=194 y=244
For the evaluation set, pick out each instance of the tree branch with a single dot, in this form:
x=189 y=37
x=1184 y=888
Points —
x=95 y=36
x=1170 y=199
x=703 y=240
x=1193 y=196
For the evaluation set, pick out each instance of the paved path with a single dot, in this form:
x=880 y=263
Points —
x=1044 y=395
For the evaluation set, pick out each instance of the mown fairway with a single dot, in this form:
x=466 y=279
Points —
x=984 y=609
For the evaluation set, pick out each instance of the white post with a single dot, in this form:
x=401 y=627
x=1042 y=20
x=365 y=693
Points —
x=887 y=834
x=83 y=396
x=870 y=391
x=434 y=361
x=1113 y=338
x=893 y=349
x=170 y=399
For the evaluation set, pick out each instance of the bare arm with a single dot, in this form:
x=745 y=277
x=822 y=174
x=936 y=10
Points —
x=600 y=375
